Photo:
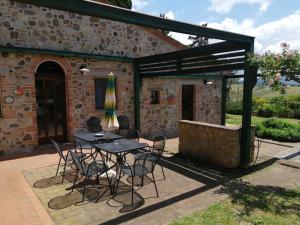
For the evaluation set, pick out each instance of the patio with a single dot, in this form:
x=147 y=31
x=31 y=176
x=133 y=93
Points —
x=23 y=201
x=175 y=199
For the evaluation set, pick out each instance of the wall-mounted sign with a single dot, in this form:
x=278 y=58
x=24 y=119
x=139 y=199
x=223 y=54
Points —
x=19 y=91
x=9 y=99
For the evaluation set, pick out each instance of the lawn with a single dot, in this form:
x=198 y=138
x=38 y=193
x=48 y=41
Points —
x=247 y=205
x=262 y=91
x=237 y=120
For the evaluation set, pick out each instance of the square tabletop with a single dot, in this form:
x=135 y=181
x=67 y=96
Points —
x=92 y=138
x=119 y=146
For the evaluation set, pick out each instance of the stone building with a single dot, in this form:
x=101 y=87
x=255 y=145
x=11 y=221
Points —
x=44 y=95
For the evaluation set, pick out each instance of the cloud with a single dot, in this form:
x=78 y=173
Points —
x=139 y=4
x=170 y=15
x=270 y=35
x=224 y=6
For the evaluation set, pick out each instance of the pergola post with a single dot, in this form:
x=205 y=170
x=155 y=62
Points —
x=137 y=100
x=224 y=99
x=250 y=78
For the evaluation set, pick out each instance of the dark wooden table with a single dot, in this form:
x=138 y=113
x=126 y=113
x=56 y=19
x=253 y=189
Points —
x=119 y=148
x=92 y=138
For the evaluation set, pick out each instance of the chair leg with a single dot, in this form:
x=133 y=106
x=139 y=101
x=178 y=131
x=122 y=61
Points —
x=63 y=176
x=162 y=170
x=118 y=181
x=142 y=184
x=83 y=194
x=75 y=181
x=109 y=182
x=97 y=179
x=154 y=184
x=132 y=190
x=58 y=165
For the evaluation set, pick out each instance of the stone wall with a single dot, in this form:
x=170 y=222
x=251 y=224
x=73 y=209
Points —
x=30 y=26
x=162 y=118
x=18 y=129
x=211 y=143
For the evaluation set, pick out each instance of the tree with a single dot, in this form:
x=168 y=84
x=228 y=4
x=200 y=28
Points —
x=122 y=3
x=272 y=67
x=198 y=40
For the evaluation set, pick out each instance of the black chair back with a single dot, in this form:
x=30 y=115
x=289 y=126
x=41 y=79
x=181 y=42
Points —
x=133 y=135
x=159 y=144
x=80 y=165
x=94 y=124
x=146 y=162
x=81 y=130
x=59 y=149
x=123 y=122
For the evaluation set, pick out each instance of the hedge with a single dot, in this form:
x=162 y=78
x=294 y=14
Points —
x=278 y=130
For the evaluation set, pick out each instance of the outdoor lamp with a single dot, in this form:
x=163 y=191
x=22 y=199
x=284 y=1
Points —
x=83 y=68
x=206 y=82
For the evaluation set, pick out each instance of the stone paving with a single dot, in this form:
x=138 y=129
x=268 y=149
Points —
x=185 y=190
x=28 y=196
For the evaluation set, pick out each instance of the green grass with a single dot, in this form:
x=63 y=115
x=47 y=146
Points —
x=264 y=91
x=250 y=205
x=267 y=92
x=237 y=120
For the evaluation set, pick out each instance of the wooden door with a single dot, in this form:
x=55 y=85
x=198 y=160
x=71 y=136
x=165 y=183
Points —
x=51 y=103
x=188 y=102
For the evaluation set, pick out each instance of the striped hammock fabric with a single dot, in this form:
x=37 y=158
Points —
x=110 y=117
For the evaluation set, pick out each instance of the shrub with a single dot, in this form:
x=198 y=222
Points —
x=278 y=130
x=235 y=108
x=296 y=114
x=266 y=110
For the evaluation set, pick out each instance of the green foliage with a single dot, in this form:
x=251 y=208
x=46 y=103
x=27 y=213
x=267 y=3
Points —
x=235 y=108
x=278 y=130
x=266 y=110
x=272 y=66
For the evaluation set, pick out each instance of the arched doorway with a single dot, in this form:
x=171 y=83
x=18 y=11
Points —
x=51 y=102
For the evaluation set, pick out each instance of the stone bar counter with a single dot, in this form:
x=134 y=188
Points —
x=210 y=143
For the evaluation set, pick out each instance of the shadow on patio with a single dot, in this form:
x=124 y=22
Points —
x=188 y=187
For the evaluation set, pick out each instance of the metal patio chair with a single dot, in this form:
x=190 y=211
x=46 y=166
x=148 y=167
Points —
x=81 y=144
x=95 y=168
x=94 y=124
x=66 y=158
x=158 y=148
x=143 y=165
x=124 y=125
x=133 y=135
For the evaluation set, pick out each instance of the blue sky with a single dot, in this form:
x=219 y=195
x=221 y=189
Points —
x=271 y=21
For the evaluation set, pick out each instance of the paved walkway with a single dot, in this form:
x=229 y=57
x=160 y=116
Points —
x=19 y=205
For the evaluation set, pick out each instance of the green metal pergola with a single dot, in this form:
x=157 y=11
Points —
x=200 y=62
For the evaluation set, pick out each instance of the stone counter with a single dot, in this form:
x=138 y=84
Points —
x=216 y=144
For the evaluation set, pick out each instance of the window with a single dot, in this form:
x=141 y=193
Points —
x=154 y=97
x=100 y=89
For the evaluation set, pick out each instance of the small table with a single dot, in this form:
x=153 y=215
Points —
x=92 y=138
x=119 y=148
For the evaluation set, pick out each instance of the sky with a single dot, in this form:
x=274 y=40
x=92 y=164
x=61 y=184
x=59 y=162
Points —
x=270 y=21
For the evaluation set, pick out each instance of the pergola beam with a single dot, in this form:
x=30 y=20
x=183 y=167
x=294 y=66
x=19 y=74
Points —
x=206 y=50
x=96 y=9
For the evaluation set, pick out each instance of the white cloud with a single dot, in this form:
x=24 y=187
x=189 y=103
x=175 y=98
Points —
x=268 y=35
x=170 y=15
x=224 y=6
x=139 y=4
